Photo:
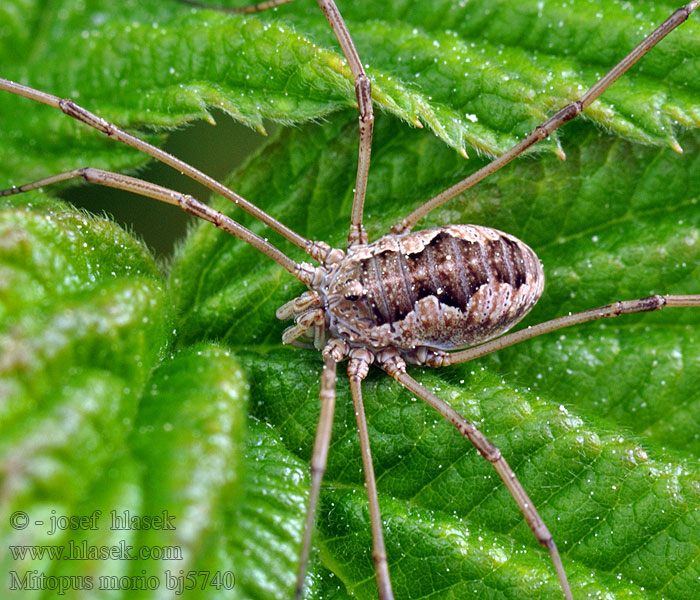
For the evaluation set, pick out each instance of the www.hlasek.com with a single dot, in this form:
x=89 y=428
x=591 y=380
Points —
x=112 y=577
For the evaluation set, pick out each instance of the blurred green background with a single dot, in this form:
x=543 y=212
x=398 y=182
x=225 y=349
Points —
x=215 y=150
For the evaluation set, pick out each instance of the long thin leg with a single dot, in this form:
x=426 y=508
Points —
x=395 y=366
x=187 y=203
x=567 y=113
x=332 y=353
x=604 y=312
x=357 y=371
x=357 y=234
x=79 y=113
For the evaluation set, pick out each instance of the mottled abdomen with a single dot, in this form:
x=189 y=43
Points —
x=443 y=288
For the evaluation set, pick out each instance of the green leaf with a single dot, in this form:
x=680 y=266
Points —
x=118 y=395
x=163 y=63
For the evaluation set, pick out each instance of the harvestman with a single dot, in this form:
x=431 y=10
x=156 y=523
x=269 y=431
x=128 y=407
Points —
x=405 y=298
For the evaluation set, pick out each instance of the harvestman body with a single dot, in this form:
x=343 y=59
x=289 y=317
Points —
x=409 y=297
x=438 y=289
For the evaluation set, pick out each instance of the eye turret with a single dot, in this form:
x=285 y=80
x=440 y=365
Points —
x=353 y=290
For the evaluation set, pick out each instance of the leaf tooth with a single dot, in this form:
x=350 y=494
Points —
x=675 y=146
x=208 y=117
x=559 y=151
x=254 y=121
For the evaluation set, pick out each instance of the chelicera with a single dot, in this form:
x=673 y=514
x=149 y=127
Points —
x=409 y=297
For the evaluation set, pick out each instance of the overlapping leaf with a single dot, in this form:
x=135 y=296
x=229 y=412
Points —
x=163 y=63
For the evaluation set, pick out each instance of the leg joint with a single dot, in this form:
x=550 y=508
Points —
x=391 y=362
x=569 y=112
x=357 y=235
x=318 y=470
x=78 y=112
x=360 y=360
x=490 y=452
x=363 y=91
